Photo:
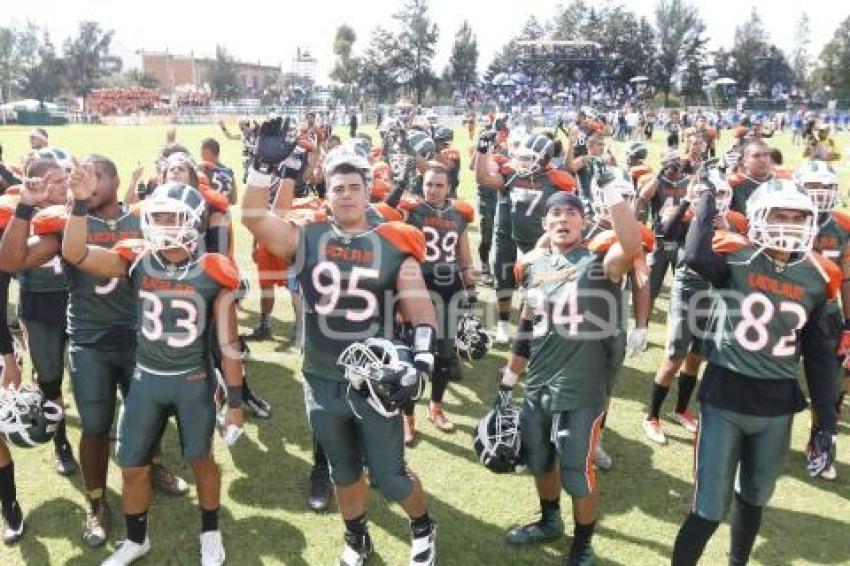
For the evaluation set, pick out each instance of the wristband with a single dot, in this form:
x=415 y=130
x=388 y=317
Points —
x=257 y=179
x=24 y=211
x=234 y=397
x=81 y=207
x=509 y=378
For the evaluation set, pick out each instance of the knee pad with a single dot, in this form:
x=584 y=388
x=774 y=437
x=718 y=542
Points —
x=51 y=389
x=395 y=487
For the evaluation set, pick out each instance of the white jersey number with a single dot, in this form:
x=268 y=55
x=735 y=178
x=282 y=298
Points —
x=152 y=327
x=332 y=292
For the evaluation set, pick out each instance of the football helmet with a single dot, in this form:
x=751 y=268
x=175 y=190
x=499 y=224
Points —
x=636 y=151
x=375 y=368
x=347 y=154
x=765 y=232
x=602 y=180
x=443 y=134
x=819 y=180
x=497 y=440
x=421 y=145
x=59 y=155
x=533 y=150
x=174 y=216
x=26 y=418
x=472 y=341
x=712 y=181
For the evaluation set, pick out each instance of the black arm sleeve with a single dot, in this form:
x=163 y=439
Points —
x=674 y=229
x=699 y=254
x=5 y=336
x=8 y=177
x=395 y=196
x=217 y=240
x=819 y=340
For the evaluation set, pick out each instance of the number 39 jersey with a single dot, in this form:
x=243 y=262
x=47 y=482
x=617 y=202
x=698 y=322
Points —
x=756 y=319
x=100 y=310
x=578 y=333
x=175 y=307
x=442 y=229
x=349 y=286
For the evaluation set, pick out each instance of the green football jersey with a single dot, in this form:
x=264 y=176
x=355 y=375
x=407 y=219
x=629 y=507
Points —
x=175 y=310
x=578 y=322
x=442 y=229
x=743 y=187
x=528 y=196
x=97 y=306
x=833 y=235
x=755 y=321
x=349 y=286
x=51 y=276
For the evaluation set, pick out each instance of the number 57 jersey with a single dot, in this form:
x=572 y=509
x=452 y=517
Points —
x=349 y=286
x=756 y=318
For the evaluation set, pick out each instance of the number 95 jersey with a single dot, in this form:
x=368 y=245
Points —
x=757 y=316
x=349 y=286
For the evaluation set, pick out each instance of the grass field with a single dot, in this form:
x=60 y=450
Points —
x=264 y=518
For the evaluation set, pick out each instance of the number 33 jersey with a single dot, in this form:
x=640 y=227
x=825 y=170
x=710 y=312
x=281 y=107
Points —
x=757 y=317
x=349 y=286
x=176 y=307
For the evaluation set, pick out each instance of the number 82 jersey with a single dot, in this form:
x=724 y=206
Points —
x=756 y=319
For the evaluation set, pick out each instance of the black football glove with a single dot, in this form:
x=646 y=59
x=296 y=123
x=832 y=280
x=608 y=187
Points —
x=411 y=385
x=485 y=140
x=275 y=141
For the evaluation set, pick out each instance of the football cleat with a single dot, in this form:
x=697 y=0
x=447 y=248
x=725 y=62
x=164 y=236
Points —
x=583 y=557
x=503 y=337
x=423 y=548
x=127 y=553
x=167 y=481
x=654 y=432
x=66 y=465
x=357 y=549
x=549 y=528
x=497 y=440
x=685 y=419
x=601 y=459
x=259 y=406
x=319 y=498
x=471 y=341
x=26 y=419
x=14 y=529
x=97 y=526
x=438 y=418
x=212 y=549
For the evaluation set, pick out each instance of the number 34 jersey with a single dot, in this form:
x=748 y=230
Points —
x=176 y=307
x=756 y=318
x=349 y=286
x=442 y=228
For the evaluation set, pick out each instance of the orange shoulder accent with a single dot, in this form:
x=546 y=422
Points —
x=203 y=182
x=738 y=220
x=562 y=180
x=639 y=171
x=222 y=269
x=602 y=242
x=380 y=188
x=8 y=203
x=405 y=238
x=387 y=212
x=741 y=131
x=408 y=204
x=465 y=209
x=783 y=173
x=831 y=272
x=50 y=220
x=304 y=216
x=130 y=249
x=13 y=190
x=842 y=219
x=735 y=180
x=647 y=237
x=215 y=200
x=728 y=242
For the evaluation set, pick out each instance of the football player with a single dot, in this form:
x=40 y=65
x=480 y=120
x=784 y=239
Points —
x=571 y=343
x=819 y=180
x=774 y=300
x=754 y=169
x=220 y=176
x=184 y=293
x=527 y=181
x=447 y=270
x=44 y=290
x=448 y=156
x=354 y=277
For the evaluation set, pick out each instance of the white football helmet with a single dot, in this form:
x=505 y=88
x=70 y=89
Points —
x=767 y=232
x=174 y=216
x=712 y=181
x=57 y=154
x=819 y=180
x=348 y=155
x=374 y=367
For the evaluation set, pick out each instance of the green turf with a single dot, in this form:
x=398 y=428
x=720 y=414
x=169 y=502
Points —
x=264 y=519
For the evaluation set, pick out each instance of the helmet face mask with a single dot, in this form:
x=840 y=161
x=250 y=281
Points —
x=174 y=217
x=820 y=181
x=372 y=367
x=26 y=418
x=782 y=218
x=532 y=153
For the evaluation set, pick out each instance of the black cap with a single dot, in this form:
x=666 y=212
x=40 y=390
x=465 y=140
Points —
x=565 y=199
